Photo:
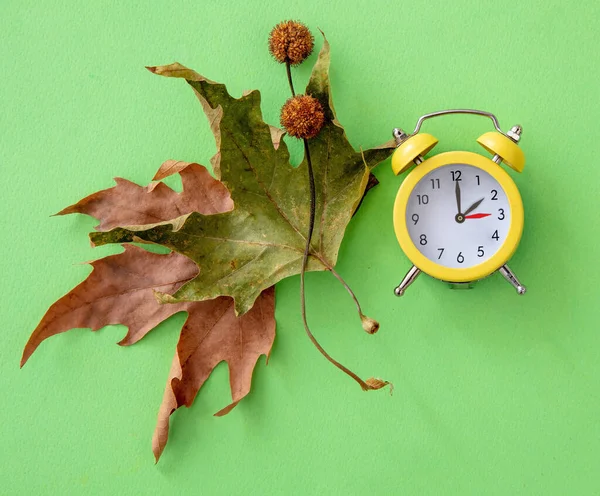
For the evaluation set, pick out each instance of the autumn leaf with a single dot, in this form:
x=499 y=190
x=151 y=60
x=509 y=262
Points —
x=129 y=204
x=233 y=236
x=121 y=290
x=261 y=241
x=118 y=291
x=213 y=333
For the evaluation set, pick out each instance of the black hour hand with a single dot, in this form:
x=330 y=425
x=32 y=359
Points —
x=473 y=207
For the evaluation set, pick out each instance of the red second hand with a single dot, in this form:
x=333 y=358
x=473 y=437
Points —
x=476 y=216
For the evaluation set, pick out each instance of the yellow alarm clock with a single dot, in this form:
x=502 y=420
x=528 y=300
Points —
x=458 y=215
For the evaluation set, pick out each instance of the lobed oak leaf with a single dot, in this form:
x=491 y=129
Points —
x=121 y=290
x=128 y=204
x=213 y=333
x=261 y=241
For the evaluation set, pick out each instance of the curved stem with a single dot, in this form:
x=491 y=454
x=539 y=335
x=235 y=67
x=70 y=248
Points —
x=311 y=225
x=350 y=292
x=330 y=268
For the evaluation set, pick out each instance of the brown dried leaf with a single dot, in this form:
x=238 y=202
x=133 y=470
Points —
x=128 y=204
x=374 y=383
x=213 y=334
x=120 y=290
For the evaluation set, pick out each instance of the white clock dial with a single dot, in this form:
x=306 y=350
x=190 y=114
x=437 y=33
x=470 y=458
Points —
x=453 y=235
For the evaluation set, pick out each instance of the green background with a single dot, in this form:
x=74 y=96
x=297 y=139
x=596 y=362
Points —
x=494 y=393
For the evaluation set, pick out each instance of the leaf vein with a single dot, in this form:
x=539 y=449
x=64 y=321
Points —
x=263 y=186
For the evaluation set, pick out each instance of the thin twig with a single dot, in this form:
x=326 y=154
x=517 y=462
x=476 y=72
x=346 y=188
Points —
x=311 y=225
x=289 y=76
x=350 y=292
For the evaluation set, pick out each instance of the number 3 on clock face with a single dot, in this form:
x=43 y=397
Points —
x=458 y=216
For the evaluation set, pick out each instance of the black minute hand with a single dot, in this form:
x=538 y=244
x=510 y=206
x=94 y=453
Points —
x=473 y=207
x=457 y=191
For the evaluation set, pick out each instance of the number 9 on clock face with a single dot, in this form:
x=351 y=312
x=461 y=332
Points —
x=458 y=216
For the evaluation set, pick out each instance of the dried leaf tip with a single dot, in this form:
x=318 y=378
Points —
x=302 y=116
x=375 y=383
x=371 y=326
x=291 y=42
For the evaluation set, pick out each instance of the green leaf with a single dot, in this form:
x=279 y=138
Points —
x=261 y=241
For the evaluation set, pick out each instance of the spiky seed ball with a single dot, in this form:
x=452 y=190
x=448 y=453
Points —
x=302 y=116
x=290 y=41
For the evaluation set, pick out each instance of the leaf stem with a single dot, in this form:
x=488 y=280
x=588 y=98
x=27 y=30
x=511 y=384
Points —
x=289 y=76
x=311 y=225
x=350 y=292
x=370 y=384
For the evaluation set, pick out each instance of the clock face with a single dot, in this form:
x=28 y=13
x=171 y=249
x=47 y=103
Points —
x=458 y=216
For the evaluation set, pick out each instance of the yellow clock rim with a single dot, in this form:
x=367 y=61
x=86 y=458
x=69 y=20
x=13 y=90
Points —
x=493 y=263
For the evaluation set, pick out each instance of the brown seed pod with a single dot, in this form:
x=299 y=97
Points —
x=371 y=326
x=302 y=116
x=290 y=41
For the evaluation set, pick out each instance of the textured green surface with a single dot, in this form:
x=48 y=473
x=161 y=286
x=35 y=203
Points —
x=495 y=394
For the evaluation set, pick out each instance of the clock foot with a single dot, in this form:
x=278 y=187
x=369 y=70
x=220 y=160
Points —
x=409 y=278
x=512 y=279
x=461 y=285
